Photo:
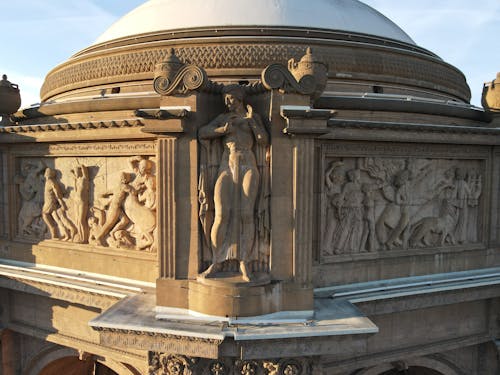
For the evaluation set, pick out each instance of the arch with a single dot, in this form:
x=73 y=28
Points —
x=54 y=353
x=47 y=356
x=118 y=367
x=439 y=365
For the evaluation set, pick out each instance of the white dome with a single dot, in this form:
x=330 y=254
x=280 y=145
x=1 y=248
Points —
x=344 y=15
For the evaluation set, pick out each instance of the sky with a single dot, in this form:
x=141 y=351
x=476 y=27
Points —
x=38 y=35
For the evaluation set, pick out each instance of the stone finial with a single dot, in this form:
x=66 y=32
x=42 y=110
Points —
x=10 y=100
x=173 y=77
x=491 y=95
x=307 y=76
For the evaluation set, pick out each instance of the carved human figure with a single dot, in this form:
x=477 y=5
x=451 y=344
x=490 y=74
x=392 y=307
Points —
x=115 y=219
x=81 y=202
x=140 y=204
x=144 y=182
x=368 y=239
x=31 y=191
x=54 y=210
x=334 y=180
x=402 y=200
x=466 y=194
x=238 y=181
x=347 y=236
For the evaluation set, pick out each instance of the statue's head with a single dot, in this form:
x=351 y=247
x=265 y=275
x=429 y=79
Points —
x=234 y=96
x=354 y=175
x=460 y=174
x=125 y=177
x=145 y=166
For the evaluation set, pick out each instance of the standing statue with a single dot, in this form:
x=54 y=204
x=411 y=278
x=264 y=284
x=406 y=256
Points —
x=234 y=185
x=54 y=210
x=81 y=202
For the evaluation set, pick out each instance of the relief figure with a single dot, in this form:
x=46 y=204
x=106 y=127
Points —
x=334 y=180
x=54 y=210
x=81 y=202
x=347 y=236
x=115 y=218
x=466 y=194
x=232 y=231
x=31 y=191
x=125 y=217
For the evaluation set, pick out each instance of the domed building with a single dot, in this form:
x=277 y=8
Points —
x=266 y=187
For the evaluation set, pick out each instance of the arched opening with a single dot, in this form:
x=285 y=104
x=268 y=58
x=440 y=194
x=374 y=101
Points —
x=413 y=370
x=74 y=366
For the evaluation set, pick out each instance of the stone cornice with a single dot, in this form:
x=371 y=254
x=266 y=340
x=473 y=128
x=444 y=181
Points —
x=410 y=132
x=65 y=286
x=87 y=125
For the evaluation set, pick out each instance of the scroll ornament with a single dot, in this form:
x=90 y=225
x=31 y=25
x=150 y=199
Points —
x=306 y=76
x=173 y=77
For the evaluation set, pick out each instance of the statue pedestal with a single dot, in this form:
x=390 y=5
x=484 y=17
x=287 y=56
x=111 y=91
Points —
x=230 y=296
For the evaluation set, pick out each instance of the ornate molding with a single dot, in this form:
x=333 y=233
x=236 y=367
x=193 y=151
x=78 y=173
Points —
x=165 y=364
x=129 y=64
x=102 y=149
x=91 y=125
x=166 y=343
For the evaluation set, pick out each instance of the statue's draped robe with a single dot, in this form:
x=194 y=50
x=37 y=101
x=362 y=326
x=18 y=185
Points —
x=210 y=158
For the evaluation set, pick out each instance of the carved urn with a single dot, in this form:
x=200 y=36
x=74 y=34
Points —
x=491 y=95
x=10 y=99
x=309 y=71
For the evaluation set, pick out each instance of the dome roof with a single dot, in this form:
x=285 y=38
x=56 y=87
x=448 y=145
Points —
x=344 y=15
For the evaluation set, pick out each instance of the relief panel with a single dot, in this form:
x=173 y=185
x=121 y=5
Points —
x=378 y=204
x=101 y=201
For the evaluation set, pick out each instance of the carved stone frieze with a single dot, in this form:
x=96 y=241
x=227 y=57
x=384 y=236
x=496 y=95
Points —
x=164 y=364
x=234 y=190
x=99 y=149
x=164 y=343
x=108 y=201
x=373 y=204
x=306 y=76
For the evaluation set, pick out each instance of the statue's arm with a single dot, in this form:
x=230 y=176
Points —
x=214 y=129
x=258 y=128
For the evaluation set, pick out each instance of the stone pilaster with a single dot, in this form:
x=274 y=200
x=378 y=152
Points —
x=166 y=207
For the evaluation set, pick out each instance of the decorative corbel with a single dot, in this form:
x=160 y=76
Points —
x=173 y=77
x=306 y=76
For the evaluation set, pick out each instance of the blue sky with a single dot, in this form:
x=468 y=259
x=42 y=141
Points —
x=38 y=35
